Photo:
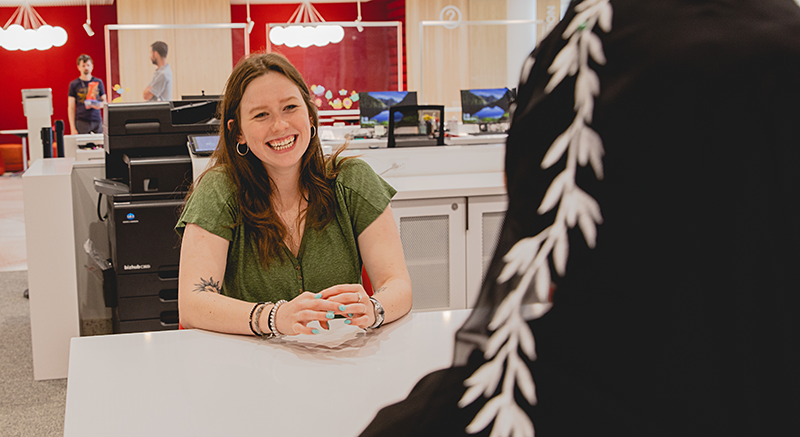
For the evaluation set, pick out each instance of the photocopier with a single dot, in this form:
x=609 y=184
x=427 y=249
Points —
x=148 y=174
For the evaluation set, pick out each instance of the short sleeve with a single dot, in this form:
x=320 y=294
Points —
x=73 y=90
x=365 y=194
x=101 y=90
x=158 y=84
x=212 y=206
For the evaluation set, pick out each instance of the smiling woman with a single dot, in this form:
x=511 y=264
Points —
x=273 y=220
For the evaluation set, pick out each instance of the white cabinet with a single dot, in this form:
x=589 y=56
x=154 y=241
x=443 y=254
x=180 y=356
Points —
x=433 y=232
x=485 y=218
x=448 y=243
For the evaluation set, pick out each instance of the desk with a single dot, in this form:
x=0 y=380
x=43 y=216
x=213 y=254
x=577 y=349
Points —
x=22 y=133
x=199 y=383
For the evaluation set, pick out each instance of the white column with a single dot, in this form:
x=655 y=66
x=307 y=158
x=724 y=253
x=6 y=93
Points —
x=52 y=280
x=521 y=38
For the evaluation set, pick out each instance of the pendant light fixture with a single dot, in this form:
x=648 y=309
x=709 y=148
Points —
x=27 y=30
x=316 y=33
x=87 y=26
x=250 y=22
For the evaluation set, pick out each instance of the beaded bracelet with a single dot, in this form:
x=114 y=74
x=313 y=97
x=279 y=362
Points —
x=273 y=327
x=251 y=318
x=258 y=319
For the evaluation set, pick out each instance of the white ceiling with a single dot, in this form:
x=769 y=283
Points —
x=39 y=3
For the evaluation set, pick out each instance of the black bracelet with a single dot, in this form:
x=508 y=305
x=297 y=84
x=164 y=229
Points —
x=251 y=318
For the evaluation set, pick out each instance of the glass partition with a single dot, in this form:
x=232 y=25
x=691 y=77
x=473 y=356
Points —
x=469 y=55
x=340 y=59
x=201 y=56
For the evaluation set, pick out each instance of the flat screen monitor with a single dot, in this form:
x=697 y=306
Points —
x=203 y=145
x=488 y=105
x=373 y=106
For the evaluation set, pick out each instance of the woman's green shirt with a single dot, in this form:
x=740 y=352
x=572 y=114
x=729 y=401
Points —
x=326 y=257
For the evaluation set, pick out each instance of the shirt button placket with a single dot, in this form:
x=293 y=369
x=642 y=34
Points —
x=299 y=277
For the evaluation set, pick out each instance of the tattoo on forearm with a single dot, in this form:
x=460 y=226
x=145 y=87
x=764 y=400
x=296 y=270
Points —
x=379 y=290
x=208 y=285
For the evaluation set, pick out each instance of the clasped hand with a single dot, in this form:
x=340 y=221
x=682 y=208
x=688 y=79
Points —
x=348 y=300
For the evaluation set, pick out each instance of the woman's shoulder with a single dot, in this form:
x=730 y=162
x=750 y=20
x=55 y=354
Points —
x=353 y=170
x=357 y=175
x=216 y=186
x=215 y=178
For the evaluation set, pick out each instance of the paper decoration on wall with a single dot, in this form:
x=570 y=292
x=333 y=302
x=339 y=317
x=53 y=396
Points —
x=119 y=90
x=318 y=89
x=350 y=98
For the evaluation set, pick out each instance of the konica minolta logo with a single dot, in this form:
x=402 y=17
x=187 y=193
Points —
x=136 y=267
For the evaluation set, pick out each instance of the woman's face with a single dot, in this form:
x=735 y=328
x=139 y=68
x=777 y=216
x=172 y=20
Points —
x=275 y=122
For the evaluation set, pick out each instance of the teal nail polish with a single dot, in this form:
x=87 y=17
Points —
x=318 y=296
x=329 y=314
x=350 y=315
x=342 y=307
x=315 y=331
x=347 y=322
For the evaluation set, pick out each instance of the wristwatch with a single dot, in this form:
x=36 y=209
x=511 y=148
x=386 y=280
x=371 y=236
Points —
x=379 y=314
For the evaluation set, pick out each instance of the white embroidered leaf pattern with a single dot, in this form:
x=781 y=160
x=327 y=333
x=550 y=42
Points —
x=562 y=65
x=595 y=47
x=606 y=14
x=486 y=415
x=525 y=383
x=504 y=422
x=526 y=341
x=484 y=377
x=526 y=69
x=529 y=257
x=519 y=258
x=596 y=158
x=524 y=425
x=497 y=341
x=553 y=194
x=473 y=392
x=561 y=252
x=543 y=282
x=556 y=150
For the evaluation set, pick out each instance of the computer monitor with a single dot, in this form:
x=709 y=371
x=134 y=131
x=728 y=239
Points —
x=483 y=106
x=416 y=125
x=373 y=106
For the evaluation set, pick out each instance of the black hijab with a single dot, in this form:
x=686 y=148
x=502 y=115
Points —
x=673 y=235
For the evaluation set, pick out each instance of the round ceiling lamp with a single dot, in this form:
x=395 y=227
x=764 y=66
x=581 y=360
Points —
x=315 y=33
x=26 y=30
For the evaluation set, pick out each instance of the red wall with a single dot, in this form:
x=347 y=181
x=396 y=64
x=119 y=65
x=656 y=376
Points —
x=367 y=63
x=375 y=10
x=53 y=68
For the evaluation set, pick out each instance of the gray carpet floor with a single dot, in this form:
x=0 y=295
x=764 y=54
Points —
x=27 y=407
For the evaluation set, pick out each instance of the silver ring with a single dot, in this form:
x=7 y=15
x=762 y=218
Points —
x=359 y=298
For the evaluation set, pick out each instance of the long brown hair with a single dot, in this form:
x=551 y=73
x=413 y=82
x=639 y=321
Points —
x=254 y=188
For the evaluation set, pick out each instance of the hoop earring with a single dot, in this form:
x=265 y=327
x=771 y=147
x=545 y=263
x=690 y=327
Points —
x=239 y=151
x=314 y=133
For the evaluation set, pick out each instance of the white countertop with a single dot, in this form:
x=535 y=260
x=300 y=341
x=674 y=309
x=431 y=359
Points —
x=430 y=172
x=198 y=383
x=449 y=185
